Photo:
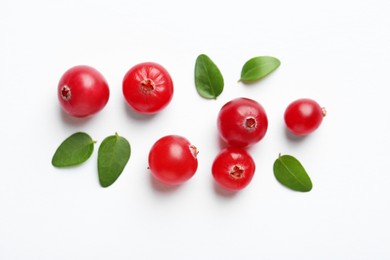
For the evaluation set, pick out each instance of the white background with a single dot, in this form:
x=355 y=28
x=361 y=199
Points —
x=336 y=52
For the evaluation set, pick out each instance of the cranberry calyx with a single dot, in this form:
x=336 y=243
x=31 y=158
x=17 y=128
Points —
x=147 y=85
x=250 y=123
x=194 y=150
x=237 y=172
x=323 y=110
x=66 y=94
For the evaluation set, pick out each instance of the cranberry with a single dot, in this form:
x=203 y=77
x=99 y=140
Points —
x=82 y=91
x=242 y=122
x=147 y=88
x=303 y=116
x=172 y=159
x=233 y=168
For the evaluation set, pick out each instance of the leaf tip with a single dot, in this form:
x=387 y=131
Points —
x=53 y=163
x=104 y=185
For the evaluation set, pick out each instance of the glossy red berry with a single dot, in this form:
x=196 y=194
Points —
x=172 y=159
x=147 y=88
x=233 y=168
x=242 y=122
x=82 y=91
x=303 y=116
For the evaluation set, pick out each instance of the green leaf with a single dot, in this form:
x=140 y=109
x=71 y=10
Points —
x=258 y=67
x=208 y=79
x=290 y=172
x=74 y=150
x=114 y=153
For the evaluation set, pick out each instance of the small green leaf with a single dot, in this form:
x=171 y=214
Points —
x=258 y=67
x=74 y=150
x=290 y=172
x=114 y=153
x=208 y=79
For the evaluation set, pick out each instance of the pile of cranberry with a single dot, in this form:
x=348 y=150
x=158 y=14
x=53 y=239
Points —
x=148 y=88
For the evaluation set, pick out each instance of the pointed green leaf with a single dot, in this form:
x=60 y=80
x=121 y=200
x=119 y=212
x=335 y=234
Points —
x=258 y=67
x=290 y=172
x=208 y=79
x=114 y=153
x=74 y=150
